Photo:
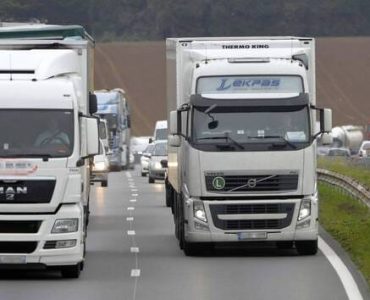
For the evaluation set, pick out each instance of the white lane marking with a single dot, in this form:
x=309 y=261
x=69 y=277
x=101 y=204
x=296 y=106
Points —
x=134 y=190
x=133 y=200
x=130 y=208
x=135 y=273
x=134 y=250
x=344 y=274
x=134 y=195
x=131 y=232
x=129 y=219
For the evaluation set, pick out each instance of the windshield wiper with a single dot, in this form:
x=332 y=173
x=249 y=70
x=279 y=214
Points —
x=225 y=137
x=286 y=142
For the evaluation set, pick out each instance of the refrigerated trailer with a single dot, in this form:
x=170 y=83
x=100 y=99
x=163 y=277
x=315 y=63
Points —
x=47 y=139
x=242 y=150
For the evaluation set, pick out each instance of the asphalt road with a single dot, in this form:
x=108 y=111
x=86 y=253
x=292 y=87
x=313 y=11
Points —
x=132 y=254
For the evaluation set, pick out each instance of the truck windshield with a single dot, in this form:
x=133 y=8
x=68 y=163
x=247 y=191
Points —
x=161 y=134
x=36 y=133
x=250 y=129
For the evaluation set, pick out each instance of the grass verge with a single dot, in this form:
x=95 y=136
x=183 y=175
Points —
x=348 y=221
x=343 y=166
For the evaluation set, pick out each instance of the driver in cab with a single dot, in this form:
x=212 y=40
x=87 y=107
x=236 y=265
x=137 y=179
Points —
x=53 y=135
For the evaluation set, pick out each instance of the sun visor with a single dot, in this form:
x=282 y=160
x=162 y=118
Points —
x=201 y=101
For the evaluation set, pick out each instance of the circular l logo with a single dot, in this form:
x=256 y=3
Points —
x=218 y=183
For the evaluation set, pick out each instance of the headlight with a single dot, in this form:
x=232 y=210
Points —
x=305 y=209
x=65 y=226
x=99 y=166
x=156 y=165
x=199 y=212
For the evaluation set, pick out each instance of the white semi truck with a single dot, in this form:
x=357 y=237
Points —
x=47 y=139
x=113 y=107
x=242 y=149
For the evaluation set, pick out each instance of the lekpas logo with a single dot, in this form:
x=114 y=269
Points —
x=246 y=84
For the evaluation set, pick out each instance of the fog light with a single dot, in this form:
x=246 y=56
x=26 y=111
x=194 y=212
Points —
x=200 y=226
x=304 y=224
x=305 y=209
x=65 y=226
x=199 y=212
x=65 y=244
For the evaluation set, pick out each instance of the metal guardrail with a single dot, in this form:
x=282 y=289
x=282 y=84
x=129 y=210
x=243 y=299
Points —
x=351 y=186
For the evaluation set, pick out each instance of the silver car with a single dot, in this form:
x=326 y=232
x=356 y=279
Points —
x=144 y=159
x=156 y=169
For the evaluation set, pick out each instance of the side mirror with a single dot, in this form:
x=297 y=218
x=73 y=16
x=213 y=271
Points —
x=93 y=103
x=326 y=139
x=164 y=163
x=174 y=141
x=150 y=140
x=173 y=122
x=325 y=120
x=93 y=145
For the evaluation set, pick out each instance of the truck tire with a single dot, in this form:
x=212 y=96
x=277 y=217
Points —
x=143 y=174
x=73 y=271
x=176 y=216
x=306 y=247
x=169 y=195
x=150 y=179
x=104 y=183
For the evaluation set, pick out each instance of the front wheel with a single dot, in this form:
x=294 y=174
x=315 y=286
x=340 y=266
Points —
x=71 y=271
x=306 y=247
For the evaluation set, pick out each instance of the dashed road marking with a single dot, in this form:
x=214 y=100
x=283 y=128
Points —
x=131 y=232
x=134 y=250
x=135 y=273
x=133 y=200
x=129 y=219
x=134 y=195
x=131 y=208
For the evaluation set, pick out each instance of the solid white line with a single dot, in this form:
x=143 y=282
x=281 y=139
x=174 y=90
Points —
x=344 y=274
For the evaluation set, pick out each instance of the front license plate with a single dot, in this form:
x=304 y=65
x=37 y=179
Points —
x=12 y=259
x=251 y=236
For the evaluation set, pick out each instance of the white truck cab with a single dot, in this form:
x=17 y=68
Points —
x=242 y=155
x=47 y=138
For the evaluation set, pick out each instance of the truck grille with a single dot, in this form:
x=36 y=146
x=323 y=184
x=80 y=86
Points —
x=252 y=183
x=26 y=191
x=244 y=209
x=19 y=226
x=17 y=247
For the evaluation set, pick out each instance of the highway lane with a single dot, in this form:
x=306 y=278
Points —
x=129 y=217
